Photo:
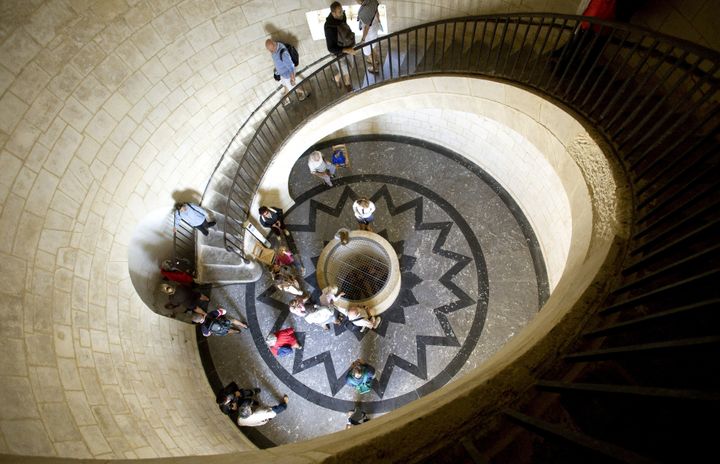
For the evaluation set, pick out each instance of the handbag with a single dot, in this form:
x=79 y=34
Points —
x=345 y=35
x=348 y=324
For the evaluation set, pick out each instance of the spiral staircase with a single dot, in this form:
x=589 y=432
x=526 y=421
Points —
x=638 y=381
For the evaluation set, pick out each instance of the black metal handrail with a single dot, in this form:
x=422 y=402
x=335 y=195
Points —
x=596 y=70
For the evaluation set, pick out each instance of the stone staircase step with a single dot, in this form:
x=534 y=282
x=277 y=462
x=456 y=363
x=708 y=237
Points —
x=228 y=273
x=217 y=255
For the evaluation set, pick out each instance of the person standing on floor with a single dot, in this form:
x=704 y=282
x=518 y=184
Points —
x=297 y=306
x=321 y=168
x=364 y=209
x=285 y=281
x=274 y=219
x=321 y=315
x=194 y=215
x=182 y=298
x=369 y=19
x=356 y=417
x=358 y=318
x=360 y=376
x=251 y=414
x=340 y=39
x=285 y=68
x=285 y=257
x=330 y=295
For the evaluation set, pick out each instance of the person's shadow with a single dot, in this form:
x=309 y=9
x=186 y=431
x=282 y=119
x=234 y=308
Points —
x=187 y=196
x=280 y=35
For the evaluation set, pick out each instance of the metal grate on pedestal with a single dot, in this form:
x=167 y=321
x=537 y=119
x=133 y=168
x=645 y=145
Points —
x=360 y=268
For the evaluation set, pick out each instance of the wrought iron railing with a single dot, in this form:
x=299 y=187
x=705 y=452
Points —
x=183 y=241
x=655 y=98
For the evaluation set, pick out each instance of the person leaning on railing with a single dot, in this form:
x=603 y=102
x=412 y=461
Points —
x=369 y=19
x=340 y=40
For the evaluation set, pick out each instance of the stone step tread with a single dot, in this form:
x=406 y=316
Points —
x=208 y=255
x=227 y=273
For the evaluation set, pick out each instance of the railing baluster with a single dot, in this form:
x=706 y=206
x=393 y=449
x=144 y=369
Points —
x=533 y=51
x=591 y=71
x=496 y=70
x=492 y=42
x=521 y=48
x=553 y=49
x=425 y=49
x=417 y=50
x=617 y=74
x=482 y=45
x=458 y=64
x=472 y=45
x=382 y=65
x=569 y=64
x=512 y=43
x=444 y=47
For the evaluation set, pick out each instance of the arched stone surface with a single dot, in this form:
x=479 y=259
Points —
x=108 y=110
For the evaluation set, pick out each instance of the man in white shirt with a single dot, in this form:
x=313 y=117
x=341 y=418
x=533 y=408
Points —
x=249 y=417
x=364 y=209
x=321 y=168
x=369 y=19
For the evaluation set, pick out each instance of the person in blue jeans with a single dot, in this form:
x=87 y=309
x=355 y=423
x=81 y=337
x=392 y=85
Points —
x=194 y=215
x=360 y=376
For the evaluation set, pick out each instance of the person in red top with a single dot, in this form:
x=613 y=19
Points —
x=177 y=270
x=600 y=9
x=282 y=342
x=285 y=257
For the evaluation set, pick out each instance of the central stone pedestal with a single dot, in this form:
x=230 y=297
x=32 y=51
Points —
x=366 y=269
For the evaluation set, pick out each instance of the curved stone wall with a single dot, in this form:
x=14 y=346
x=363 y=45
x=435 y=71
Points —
x=110 y=110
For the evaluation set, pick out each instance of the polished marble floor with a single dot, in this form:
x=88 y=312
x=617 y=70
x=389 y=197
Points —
x=472 y=277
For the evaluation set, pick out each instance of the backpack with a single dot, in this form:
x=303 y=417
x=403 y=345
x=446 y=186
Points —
x=345 y=35
x=348 y=324
x=363 y=388
x=294 y=56
x=219 y=326
x=338 y=158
